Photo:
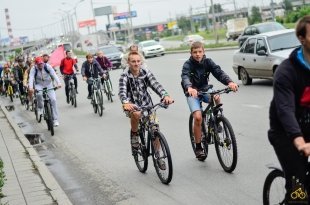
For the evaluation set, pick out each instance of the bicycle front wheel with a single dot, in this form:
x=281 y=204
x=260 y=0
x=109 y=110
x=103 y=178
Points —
x=73 y=97
x=49 y=118
x=95 y=102
x=100 y=102
x=140 y=155
x=204 y=144
x=109 y=91
x=274 y=188
x=225 y=145
x=162 y=158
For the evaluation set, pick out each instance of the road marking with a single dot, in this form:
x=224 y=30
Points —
x=253 y=106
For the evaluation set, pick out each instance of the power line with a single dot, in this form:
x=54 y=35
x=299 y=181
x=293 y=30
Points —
x=34 y=28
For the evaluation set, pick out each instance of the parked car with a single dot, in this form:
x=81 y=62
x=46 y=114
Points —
x=259 y=28
x=113 y=54
x=261 y=54
x=188 y=40
x=151 y=48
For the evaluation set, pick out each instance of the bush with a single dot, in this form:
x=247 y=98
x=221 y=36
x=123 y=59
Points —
x=2 y=178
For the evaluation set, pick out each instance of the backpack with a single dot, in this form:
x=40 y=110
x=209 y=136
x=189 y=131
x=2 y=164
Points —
x=46 y=70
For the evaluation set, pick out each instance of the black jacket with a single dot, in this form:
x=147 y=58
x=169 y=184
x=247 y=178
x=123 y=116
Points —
x=91 y=71
x=196 y=74
x=290 y=80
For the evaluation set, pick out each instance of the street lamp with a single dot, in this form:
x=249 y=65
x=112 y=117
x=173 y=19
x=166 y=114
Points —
x=131 y=35
x=75 y=13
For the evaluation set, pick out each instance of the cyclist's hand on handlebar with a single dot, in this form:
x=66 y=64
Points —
x=129 y=107
x=302 y=146
x=167 y=100
x=233 y=86
x=192 y=92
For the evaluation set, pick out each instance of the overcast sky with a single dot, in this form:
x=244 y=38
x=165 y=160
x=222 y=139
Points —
x=37 y=18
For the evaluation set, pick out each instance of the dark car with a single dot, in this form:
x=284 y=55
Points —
x=259 y=28
x=113 y=54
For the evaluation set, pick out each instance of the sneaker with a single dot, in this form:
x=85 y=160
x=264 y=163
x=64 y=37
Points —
x=160 y=162
x=56 y=123
x=134 y=142
x=40 y=111
x=89 y=97
x=68 y=100
x=200 y=154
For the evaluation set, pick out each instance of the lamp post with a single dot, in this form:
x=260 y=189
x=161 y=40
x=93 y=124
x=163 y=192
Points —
x=131 y=35
x=75 y=13
x=213 y=21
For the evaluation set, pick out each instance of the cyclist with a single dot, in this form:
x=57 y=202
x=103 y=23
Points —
x=132 y=48
x=42 y=76
x=7 y=77
x=19 y=71
x=91 y=69
x=133 y=93
x=45 y=57
x=195 y=77
x=106 y=65
x=289 y=114
x=66 y=69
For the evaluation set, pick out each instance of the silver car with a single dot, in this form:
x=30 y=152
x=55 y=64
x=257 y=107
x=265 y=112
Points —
x=261 y=54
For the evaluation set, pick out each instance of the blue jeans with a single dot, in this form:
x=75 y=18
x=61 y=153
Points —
x=194 y=103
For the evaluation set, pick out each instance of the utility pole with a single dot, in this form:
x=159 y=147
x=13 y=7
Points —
x=235 y=11
x=207 y=15
x=132 y=35
x=213 y=21
x=191 y=18
x=272 y=10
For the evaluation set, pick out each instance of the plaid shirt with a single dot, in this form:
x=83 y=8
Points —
x=134 y=89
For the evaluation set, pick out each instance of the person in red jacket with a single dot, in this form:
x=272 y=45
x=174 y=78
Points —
x=67 y=70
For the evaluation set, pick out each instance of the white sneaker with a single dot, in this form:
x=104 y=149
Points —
x=40 y=111
x=56 y=123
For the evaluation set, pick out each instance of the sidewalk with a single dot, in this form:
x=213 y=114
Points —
x=28 y=181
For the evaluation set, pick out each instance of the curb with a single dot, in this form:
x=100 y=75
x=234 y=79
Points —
x=50 y=182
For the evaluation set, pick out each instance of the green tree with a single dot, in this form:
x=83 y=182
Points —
x=217 y=8
x=287 y=4
x=184 y=24
x=256 y=17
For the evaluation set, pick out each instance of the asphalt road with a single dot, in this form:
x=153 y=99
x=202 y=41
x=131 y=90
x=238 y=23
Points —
x=90 y=155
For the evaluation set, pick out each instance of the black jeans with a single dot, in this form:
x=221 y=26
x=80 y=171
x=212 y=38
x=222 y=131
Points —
x=294 y=166
x=67 y=79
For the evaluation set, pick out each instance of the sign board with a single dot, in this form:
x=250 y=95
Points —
x=124 y=15
x=107 y=10
x=91 y=22
x=160 y=27
x=171 y=24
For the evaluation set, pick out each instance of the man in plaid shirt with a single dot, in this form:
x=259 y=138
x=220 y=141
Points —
x=133 y=85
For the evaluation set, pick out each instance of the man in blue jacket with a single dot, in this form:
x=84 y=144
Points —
x=195 y=77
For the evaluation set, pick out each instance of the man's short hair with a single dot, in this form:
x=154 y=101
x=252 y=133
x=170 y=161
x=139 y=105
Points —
x=67 y=51
x=45 y=54
x=89 y=56
x=301 y=25
x=132 y=53
x=196 y=45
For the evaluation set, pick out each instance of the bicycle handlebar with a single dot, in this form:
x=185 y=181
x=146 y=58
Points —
x=221 y=91
x=46 y=89
x=153 y=107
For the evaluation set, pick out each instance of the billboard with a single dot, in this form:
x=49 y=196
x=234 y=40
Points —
x=91 y=22
x=107 y=10
x=124 y=15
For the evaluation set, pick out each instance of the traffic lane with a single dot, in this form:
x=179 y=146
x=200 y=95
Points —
x=167 y=70
x=100 y=146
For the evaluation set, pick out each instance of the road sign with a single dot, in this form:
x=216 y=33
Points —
x=107 y=10
x=124 y=15
x=91 y=22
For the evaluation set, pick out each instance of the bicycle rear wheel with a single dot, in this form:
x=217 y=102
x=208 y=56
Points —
x=161 y=154
x=204 y=144
x=100 y=102
x=49 y=118
x=226 y=145
x=274 y=188
x=140 y=155
x=73 y=97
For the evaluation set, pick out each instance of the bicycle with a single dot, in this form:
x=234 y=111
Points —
x=152 y=142
x=274 y=187
x=26 y=98
x=97 y=99
x=224 y=140
x=107 y=87
x=9 y=91
x=72 y=90
x=47 y=109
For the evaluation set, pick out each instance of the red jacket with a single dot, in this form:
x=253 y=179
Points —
x=66 y=66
